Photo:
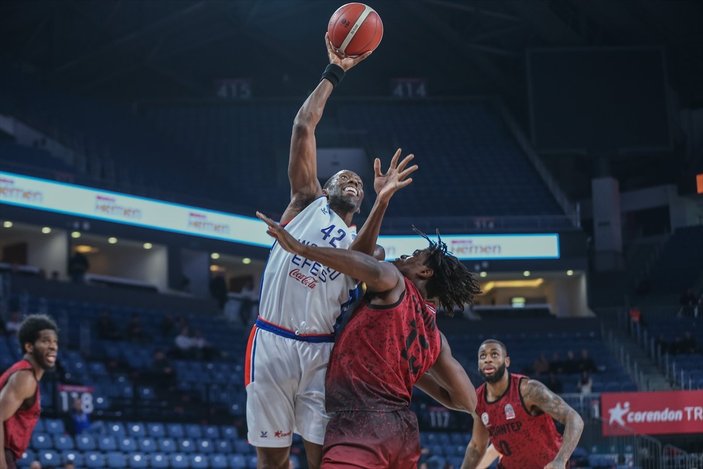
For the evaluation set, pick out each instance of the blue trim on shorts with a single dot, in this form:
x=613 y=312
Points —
x=288 y=334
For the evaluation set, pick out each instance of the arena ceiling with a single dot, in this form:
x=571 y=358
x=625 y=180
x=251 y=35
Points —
x=165 y=48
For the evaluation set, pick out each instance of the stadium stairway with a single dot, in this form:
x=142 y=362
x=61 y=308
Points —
x=645 y=371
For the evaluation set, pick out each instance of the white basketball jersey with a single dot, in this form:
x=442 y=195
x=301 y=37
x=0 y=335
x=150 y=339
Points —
x=297 y=293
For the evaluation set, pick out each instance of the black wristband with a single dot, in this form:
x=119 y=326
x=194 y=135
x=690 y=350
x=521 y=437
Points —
x=334 y=74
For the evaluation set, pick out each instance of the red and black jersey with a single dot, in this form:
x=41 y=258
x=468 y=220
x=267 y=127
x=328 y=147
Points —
x=525 y=441
x=19 y=427
x=381 y=353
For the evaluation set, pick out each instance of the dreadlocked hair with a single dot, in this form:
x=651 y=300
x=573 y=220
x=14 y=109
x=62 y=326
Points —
x=452 y=284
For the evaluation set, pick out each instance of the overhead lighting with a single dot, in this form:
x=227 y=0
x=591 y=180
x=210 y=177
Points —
x=518 y=302
x=112 y=240
x=75 y=234
x=246 y=260
x=483 y=274
x=214 y=256
x=148 y=245
x=46 y=230
x=569 y=272
x=534 y=283
x=7 y=224
x=526 y=273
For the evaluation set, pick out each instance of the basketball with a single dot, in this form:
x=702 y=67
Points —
x=355 y=29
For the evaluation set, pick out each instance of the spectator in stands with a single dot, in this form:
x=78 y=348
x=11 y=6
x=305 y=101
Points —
x=3 y=329
x=586 y=363
x=35 y=465
x=106 y=328
x=203 y=349
x=636 y=319
x=554 y=384
x=185 y=344
x=13 y=325
x=162 y=371
x=687 y=344
x=556 y=364
x=69 y=465
x=80 y=422
x=134 y=331
x=168 y=325
x=585 y=383
x=218 y=289
x=541 y=365
x=570 y=365
x=248 y=297
x=78 y=265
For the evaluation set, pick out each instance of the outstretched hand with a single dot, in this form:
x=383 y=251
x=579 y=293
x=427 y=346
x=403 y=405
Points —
x=388 y=183
x=285 y=240
x=342 y=60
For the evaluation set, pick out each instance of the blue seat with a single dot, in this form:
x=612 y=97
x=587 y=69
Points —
x=193 y=431
x=252 y=461
x=72 y=455
x=94 y=459
x=205 y=446
x=179 y=461
x=116 y=429
x=54 y=426
x=223 y=446
x=243 y=447
x=229 y=433
x=167 y=445
x=199 y=461
x=237 y=461
x=175 y=430
x=116 y=459
x=186 y=445
x=26 y=459
x=148 y=445
x=136 y=429
x=63 y=442
x=159 y=460
x=138 y=460
x=49 y=458
x=107 y=443
x=218 y=461
x=157 y=430
x=41 y=441
x=127 y=445
x=85 y=442
x=211 y=431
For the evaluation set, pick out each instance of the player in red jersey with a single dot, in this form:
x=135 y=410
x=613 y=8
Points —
x=19 y=386
x=390 y=344
x=515 y=414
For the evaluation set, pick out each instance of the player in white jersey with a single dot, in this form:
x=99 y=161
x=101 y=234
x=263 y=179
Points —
x=290 y=344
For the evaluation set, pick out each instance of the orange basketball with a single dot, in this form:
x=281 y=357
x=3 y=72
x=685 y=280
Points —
x=355 y=29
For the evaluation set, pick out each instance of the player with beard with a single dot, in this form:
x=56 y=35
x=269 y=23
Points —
x=290 y=343
x=515 y=414
x=19 y=386
x=390 y=344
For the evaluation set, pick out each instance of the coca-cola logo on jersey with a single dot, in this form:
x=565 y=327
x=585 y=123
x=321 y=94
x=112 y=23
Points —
x=307 y=280
x=652 y=412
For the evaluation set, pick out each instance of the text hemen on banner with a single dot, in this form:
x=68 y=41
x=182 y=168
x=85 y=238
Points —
x=652 y=413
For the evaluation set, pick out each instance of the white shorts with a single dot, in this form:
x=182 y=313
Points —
x=285 y=383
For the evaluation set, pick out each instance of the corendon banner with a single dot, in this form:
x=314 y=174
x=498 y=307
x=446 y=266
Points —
x=652 y=413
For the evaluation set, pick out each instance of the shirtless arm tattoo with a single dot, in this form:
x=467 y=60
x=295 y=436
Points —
x=538 y=397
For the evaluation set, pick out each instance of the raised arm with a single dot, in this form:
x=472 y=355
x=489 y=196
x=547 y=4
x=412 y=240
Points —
x=538 y=398
x=19 y=387
x=302 y=163
x=448 y=383
x=380 y=277
x=476 y=448
x=385 y=184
